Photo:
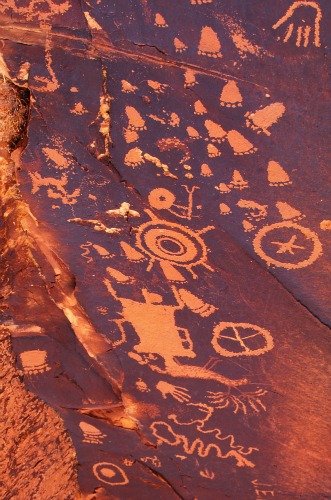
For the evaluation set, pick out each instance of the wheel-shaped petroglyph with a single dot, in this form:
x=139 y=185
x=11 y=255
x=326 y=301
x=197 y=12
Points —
x=241 y=339
x=287 y=244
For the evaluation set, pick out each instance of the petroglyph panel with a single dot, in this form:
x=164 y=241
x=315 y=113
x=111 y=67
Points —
x=165 y=239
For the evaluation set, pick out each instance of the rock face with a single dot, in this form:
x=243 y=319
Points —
x=164 y=249
x=37 y=456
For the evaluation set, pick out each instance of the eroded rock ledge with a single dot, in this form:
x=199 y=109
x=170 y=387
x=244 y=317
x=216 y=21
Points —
x=38 y=459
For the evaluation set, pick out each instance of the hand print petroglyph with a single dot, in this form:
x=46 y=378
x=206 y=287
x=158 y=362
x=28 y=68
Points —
x=302 y=23
x=177 y=353
x=180 y=393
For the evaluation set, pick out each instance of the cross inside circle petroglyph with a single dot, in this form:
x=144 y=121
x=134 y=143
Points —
x=241 y=339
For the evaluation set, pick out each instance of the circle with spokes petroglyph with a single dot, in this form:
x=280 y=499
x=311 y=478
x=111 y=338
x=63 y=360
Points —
x=287 y=244
x=241 y=339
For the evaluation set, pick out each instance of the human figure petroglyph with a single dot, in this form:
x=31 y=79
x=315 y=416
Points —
x=155 y=324
x=161 y=198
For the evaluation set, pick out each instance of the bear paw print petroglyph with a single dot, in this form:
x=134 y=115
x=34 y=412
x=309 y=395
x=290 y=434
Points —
x=34 y=362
